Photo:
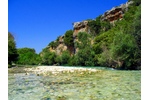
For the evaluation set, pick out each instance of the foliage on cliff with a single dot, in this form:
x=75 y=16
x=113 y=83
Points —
x=98 y=26
x=48 y=58
x=120 y=47
x=68 y=38
x=116 y=45
x=85 y=55
x=54 y=44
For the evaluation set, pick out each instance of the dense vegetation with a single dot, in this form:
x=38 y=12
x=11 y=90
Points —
x=98 y=26
x=117 y=46
x=21 y=56
x=68 y=39
x=120 y=47
x=12 y=51
x=28 y=56
x=85 y=55
x=48 y=58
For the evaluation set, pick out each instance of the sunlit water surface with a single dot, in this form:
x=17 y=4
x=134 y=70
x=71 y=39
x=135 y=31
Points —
x=104 y=85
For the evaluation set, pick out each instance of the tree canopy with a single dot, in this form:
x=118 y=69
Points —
x=68 y=38
x=28 y=56
x=12 y=50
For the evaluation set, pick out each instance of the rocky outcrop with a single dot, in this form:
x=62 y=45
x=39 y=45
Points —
x=61 y=39
x=61 y=46
x=116 y=12
x=80 y=27
x=110 y=15
x=60 y=49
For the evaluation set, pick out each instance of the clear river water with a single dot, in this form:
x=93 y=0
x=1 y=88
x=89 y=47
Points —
x=107 y=84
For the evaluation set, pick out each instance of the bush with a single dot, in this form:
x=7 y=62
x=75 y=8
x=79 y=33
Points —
x=85 y=55
x=53 y=44
x=68 y=38
x=98 y=26
x=65 y=57
x=124 y=51
x=48 y=58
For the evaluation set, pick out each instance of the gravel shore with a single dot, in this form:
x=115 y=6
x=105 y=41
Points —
x=57 y=69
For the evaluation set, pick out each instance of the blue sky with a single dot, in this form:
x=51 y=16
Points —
x=35 y=23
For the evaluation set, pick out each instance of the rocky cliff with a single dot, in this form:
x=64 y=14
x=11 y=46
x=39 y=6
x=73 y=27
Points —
x=116 y=12
x=111 y=15
x=60 y=47
x=80 y=27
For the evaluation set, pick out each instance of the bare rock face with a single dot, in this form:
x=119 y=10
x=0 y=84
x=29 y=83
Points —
x=61 y=39
x=116 y=12
x=61 y=46
x=60 y=49
x=51 y=49
x=80 y=27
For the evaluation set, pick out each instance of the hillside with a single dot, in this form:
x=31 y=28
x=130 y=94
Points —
x=112 y=39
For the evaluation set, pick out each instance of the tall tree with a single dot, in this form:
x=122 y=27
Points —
x=28 y=56
x=68 y=40
x=85 y=55
x=48 y=58
x=12 y=51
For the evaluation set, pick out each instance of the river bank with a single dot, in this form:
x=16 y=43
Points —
x=58 y=69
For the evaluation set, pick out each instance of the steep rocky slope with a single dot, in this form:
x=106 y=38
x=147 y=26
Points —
x=116 y=13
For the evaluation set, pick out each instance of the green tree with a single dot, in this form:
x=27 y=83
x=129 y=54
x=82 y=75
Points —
x=136 y=27
x=104 y=58
x=69 y=41
x=28 y=56
x=12 y=51
x=122 y=42
x=72 y=61
x=95 y=26
x=68 y=38
x=124 y=51
x=85 y=55
x=65 y=57
x=48 y=58
x=53 y=44
x=103 y=40
x=98 y=26
x=58 y=59
x=136 y=2
x=83 y=40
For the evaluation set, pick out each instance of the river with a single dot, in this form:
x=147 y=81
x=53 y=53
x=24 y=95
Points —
x=106 y=84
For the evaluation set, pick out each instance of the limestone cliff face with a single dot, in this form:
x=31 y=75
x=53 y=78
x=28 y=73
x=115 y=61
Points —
x=80 y=27
x=116 y=12
x=111 y=15
x=60 y=49
x=61 y=46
